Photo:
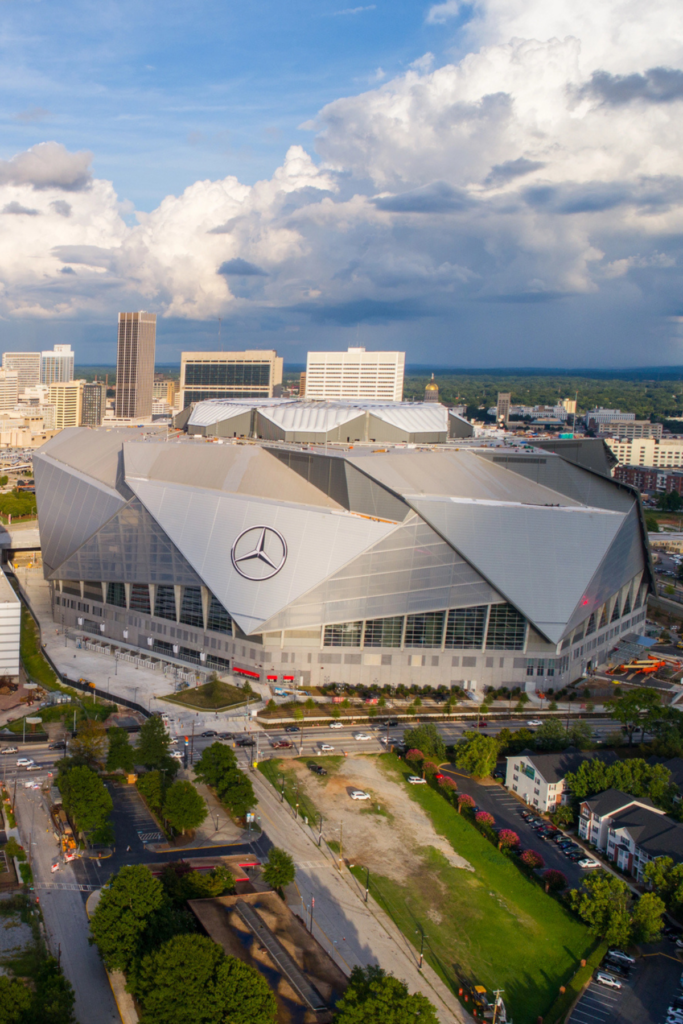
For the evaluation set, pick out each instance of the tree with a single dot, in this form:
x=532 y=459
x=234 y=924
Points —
x=552 y=706
x=13 y=849
x=88 y=745
x=86 y=798
x=184 y=808
x=634 y=709
x=335 y=712
x=190 y=979
x=477 y=754
x=646 y=918
x=123 y=913
x=666 y=878
x=507 y=839
x=217 y=767
x=279 y=871
x=532 y=860
x=633 y=775
x=466 y=801
x=426 y=738
x=603 y=905
x=484 y=819
x=552 y=735
x=181 y=883
x=375 y=997
x=563 y=815
x=120 y=753
x=297 y=713
x=554 y=880
x=580 y=735
x=54 y=1001
x=153 y=746
x=15 y=1000
x=153 y=786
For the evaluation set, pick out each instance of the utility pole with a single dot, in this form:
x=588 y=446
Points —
x=422 y=946
x=312 y=908
x=192 y=747
x=367 y=884
x=341 y=845
x=320 y=831
x=497 y=994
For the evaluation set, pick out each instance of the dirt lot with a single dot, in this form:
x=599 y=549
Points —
x=388 y=840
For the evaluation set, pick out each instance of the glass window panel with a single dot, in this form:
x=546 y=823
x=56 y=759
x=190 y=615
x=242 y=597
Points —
x=626 y=610
x=191 y=613
x=343 y=634
x=383 y=632
x=551 y=667
x=615 y=613
x=590 y=628
x=116 y=594
x=230 y=375
x=164 y=604
x=603 y=617
x=506 y=630
x=219 y=621
x=465 y=628
x=139 y=598
x=425 y=630
x=93 y=590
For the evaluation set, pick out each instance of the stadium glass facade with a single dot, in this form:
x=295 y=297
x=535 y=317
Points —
x=397 y=566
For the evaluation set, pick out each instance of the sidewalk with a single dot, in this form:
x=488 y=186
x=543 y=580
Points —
x=218 y=830
x=353 y=932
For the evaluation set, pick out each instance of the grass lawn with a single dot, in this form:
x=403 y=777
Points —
x=61 y=712
x=213 y=695
x=492 y=926
x=37 y=668
x=277 y=776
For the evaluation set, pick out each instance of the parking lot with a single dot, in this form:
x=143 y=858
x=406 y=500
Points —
x=643 y=997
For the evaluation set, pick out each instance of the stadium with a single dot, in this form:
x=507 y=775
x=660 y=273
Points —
x=460 y=564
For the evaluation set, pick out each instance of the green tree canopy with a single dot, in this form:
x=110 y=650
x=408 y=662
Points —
x=477 y=754
x=153 y=786
x=153 y=746
x=603 y=905
x=217 y=767
x=646 y=919
x=120 y=753
x=426 y=738
x=634 y=776
x=181 y=883
x=552 y=735
x=54 y=998
x=666 y=878
x=279 y=871
x=635 y=709
x=89 y=744
x=184 y=808
x=123 y=913
x=375 y=997
x=15 y=1000
x=86 y=798
x=190 y=980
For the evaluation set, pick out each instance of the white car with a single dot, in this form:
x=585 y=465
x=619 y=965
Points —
x=336 y=725
x=176 y=754
x=534 y=721
x=359 y=794
x=9 y=750
x=326 y=746
x=34 y=767
x=588 y=862
x=361 y=736
x=607 y=980
x=415 y=780
x=24 y=762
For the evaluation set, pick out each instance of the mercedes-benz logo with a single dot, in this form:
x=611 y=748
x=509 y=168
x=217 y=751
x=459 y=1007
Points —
x=259 y=553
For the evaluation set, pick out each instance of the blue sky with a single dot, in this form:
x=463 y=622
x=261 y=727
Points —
x=487 y=184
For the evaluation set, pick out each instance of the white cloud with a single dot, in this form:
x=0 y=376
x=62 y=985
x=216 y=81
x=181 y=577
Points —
x=440 y=13
x=354 y=10
x=536 y=167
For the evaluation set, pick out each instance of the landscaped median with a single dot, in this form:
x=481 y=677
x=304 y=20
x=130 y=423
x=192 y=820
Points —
x=215 y=695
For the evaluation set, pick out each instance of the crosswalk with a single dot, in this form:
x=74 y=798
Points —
x=66 y=886
x=150 y=836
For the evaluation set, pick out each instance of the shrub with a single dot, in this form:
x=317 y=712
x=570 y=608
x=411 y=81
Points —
x=485 y=819
x=429 y=768
x=466 y=801
x=449 y=784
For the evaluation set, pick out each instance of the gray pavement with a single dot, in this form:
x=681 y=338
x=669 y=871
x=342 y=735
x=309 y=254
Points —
x=643 y=997
x=66 y=922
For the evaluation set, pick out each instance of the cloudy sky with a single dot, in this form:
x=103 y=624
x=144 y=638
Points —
x=494 y=183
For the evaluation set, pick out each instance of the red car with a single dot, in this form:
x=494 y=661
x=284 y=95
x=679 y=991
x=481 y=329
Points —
x=483 y=724
x=281 y=744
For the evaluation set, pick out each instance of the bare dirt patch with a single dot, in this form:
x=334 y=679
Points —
x=390 y=845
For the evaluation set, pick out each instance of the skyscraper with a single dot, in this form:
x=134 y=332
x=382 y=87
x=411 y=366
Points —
x=135 y=365
x=67 y=398
x=26 y=365
x=57 y=366
x=93 y=404
x=355 y=374
x=9 y=389
x=250 y=374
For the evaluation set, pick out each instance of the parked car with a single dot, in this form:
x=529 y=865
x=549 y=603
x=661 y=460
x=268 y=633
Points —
x=392 y=723
x=483 y=724
x=415 y=780
x=209 y=732
x=326 y=746
x=317 y=768
x=588 y=862
x=176 y=755
x=527 y=814
x=24 y=762
x=498 y=773
x=619 y=955
x=607 y=980
x=336 y=725
x=292 y=728
x=9 y=750
x=59 y=745
x=359 y=794
x=620 y=970
x=361 y=736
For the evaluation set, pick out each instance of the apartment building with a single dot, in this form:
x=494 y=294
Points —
x=597 y=416
x=629 y=830
x=647 y=451
x=9 y=389
x=355 y=374
x=539 y=779
x=254 y=373
x=25 y=364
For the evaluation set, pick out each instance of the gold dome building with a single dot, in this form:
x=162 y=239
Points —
x=432 y=391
